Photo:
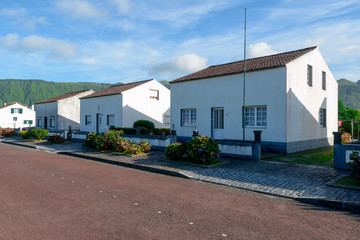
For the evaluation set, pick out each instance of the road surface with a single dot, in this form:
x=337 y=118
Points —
x=49 y=196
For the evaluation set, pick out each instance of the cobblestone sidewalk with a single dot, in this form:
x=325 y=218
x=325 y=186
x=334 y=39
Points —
x=304 y=183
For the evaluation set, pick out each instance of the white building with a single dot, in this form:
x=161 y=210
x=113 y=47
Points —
x=16 y=115
x=60 y=113
x=122 y=105
x=291 y=97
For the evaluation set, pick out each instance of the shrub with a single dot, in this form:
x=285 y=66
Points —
x=132 y=131
x=92 y=140
x=355 y=165
x=201 y=150
x=160 y=131
x=146 y=124
x=345 y=138
x=8 y=132
x=145 y=146
x=39 y=133
x=175 y=151
x=26 y=134
x=56 y=139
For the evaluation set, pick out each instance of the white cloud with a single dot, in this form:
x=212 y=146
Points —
x=9 y=40
x=81 y=10
x=178 y=65
x=260 y=49
x=22 y=18
x=54 y=48
x=13 y=12
x=122 y=5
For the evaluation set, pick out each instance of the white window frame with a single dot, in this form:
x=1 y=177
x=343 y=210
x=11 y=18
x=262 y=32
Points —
x=188 y=117
x=322 y=117
x=255 y=116
x=323 y=77
x=309 y=75
x=108 y=117
x=87 y=120
x=39 y=122
x=52 y=122
x=154 y=94
x=16 y=111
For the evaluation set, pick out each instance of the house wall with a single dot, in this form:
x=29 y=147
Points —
x=69 y=112
x=7 y=118
x=263 y=88
x=304 y=102
x=104 y=106
x=137 y=104
x=47 y=110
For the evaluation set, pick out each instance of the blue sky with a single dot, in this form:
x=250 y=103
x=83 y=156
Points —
x=112 y=41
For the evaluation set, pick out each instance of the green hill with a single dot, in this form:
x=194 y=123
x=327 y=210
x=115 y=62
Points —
x=32 y=91
x=349 y=93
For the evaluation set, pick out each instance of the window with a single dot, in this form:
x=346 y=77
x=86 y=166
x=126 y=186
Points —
x=218 y=118
x=39 y=122
x=255 y=116
x=324 y=80
x=87 y=119
x=309 y=75
x=188 y=117
x=52 y=122
x=16 y=110
x=28 y=122
x=154 y=94
x=322 y=117
x=110 y=120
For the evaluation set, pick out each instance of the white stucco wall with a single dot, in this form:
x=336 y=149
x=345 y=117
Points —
x=263 y=88
x=7 y=118
x=304 y=102
x=104 y=106
x=137 y=104
x=69 y=111
x=47 y=110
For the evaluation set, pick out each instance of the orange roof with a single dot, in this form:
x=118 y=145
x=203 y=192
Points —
x=13 y=103
x=253 y=64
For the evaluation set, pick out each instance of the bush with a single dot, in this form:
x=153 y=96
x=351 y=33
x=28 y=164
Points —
x=175 y=151
x=345 y=137
x=132 y=131
x=26 y=134
x=160 y=131
x=355 y=165
x=56 y=139
x=39 y=133
x=146 y=124
x=200 y=150
x=92 y=140
x=8 y=132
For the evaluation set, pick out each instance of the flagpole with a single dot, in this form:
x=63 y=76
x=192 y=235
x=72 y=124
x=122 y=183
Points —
x=244 y=78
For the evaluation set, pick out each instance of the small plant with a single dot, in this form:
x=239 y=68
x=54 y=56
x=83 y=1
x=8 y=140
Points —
x=146 y=124
x=8 y=132
x=39 y=133
x=345 y=138
x=56 y=139
x=26 y=134
x=355 y=165
x=92 y=140
x=175 y=151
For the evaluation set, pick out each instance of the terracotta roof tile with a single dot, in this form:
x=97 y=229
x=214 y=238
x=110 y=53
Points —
x=116 y=89
x=253 y=64
x=66 y=95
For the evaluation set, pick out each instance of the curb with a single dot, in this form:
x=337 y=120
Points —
x=321 y=202
x=129 y=165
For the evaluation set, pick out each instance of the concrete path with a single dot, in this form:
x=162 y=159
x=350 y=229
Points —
x=304 y=183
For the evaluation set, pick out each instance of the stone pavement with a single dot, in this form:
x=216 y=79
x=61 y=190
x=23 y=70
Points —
x=309 y=184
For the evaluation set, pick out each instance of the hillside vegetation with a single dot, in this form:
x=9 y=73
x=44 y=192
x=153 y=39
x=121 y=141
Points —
x=349 y=93
x=32 y=91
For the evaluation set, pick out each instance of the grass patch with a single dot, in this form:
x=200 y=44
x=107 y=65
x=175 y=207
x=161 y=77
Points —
x=314 y=159
x=348 y=181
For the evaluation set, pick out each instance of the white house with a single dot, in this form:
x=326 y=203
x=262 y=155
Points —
x=291 y=97
x=122 y=105
x=16 y=115
x=60 y=113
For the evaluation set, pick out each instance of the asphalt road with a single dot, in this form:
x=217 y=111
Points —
x=49 y=196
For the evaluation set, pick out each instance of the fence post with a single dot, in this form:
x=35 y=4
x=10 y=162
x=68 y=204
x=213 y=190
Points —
x=173 y=137
x=256 y=150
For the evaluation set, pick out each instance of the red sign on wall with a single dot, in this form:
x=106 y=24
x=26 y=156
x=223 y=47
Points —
x=339 y=123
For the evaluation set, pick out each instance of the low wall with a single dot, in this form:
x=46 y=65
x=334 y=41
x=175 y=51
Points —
x=57 y=132
x=342 y=152
x=156 y=142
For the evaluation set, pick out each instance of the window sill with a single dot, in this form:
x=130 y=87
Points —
x=254 y=127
